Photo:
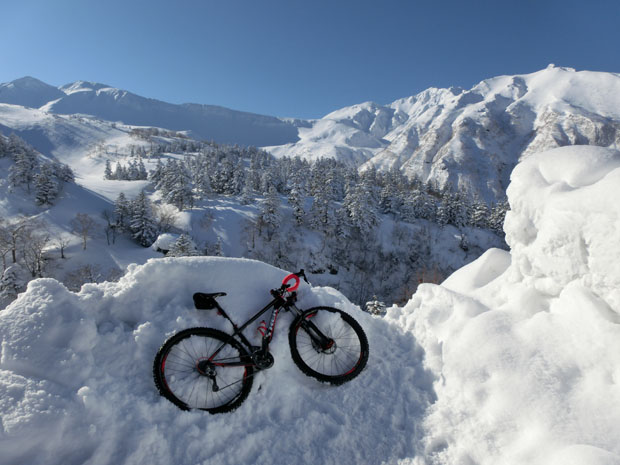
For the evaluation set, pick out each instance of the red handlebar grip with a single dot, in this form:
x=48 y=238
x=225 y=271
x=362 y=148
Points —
x=294 y=286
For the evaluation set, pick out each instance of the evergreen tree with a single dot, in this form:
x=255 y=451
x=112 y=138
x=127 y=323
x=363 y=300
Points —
x=296 y=200
x=142 y=224
x=142 y=174
x=218 y=251
x=23 y=170
x=183 y=247
x=497 y=217
x=11 y=284
x=247 y=194
x=107 y=172
x=63 y=172
x=375 y=306
x=320 y=217
x=360 y=211
x=122 y=212
x=46 y=188
x=479 y=214
x=269 y=219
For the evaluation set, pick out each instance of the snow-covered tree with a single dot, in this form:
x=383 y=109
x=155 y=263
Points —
x=46 y=187
x=296 y=200
x=375 y=306
x=479 y=214
x=269 y=217
x=107 y=172
x=218 y=250
x=122 y=212
x=142 y=223
x=184 y=246
x=23 y=170
x=11 y=284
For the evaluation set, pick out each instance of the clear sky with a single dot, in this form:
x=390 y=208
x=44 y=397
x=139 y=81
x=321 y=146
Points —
x=300 y=58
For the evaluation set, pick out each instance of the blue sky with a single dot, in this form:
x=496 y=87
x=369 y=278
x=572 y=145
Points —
x=300 y=58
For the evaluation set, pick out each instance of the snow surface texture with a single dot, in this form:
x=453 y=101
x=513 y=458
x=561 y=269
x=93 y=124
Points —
x=525 y=346
x=76 y=384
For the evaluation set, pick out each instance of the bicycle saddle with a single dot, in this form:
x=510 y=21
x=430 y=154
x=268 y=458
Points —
x=206 y=301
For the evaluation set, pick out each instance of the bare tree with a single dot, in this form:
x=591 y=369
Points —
x=82 y=275
x=12 y=236
x=111 y=226
x=33 y=252
x=61 y=242
x=83 y=225
x=166 y=216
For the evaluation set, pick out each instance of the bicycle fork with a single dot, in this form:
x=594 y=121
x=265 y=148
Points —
x=320 y=340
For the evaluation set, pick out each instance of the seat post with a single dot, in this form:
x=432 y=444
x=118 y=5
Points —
x=221 y=311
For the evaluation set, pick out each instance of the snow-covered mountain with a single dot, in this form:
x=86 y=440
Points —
x=471 y=139
x=207 y=122
x=28 y=92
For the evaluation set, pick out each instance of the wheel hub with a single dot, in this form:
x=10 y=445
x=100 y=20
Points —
x=205 y=368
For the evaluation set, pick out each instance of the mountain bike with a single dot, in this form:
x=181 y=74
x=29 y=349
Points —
x=208 y=369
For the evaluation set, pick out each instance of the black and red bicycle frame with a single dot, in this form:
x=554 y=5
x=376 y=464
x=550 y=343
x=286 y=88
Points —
x=278 y=303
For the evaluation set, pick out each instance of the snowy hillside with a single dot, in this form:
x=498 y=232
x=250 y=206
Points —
x=206 y=122
x=519 y=364
x=473 y=138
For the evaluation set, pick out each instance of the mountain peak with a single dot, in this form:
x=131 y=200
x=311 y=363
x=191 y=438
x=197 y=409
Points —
x=28 y=92
x=83 y=86
x=28 y=81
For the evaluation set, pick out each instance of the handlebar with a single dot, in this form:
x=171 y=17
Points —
x=294 y=276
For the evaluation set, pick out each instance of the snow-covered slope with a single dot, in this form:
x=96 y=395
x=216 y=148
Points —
x=206 y=122
x=76 y=384
x=525 y=346
x=473 y=138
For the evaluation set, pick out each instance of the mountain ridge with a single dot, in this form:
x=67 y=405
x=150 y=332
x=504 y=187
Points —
x=468 y=140
x=207 y=122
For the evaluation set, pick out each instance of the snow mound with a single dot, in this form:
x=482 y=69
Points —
x=76 y=384
x=525 y=346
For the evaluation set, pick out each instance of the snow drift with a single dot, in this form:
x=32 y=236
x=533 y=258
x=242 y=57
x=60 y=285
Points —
x=525 y=347
x=76 y=384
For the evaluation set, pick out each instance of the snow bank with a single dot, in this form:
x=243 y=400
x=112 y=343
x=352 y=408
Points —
x=76 y=384
x=525 y=346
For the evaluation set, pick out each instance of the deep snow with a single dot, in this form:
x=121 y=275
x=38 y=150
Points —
x=525 y=346
x=76 y=384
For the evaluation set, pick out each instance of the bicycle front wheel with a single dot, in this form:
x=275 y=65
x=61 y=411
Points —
x=203 y=368
x=342 y=358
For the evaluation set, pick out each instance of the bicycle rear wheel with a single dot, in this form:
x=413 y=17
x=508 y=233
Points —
x=346 y=354
x=203 y=368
